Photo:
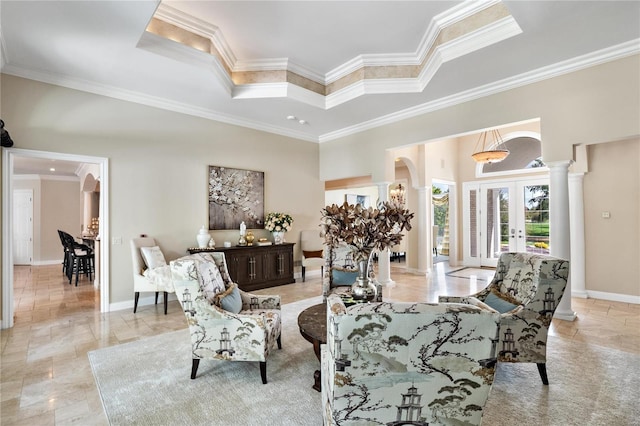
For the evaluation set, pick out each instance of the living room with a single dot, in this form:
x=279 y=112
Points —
x=157 y=162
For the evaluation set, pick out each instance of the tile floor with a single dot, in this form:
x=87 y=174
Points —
x=46 y=378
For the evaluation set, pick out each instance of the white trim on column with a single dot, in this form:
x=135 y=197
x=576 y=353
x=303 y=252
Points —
x=576 y=213
x=560 y=227
x=384 y=257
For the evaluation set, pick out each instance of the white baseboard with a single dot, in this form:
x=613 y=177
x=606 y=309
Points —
x=614 y=297
x=45 y=263
x=143 y=301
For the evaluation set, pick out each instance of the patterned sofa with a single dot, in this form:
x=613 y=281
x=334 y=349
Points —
x=247 y=335
x=526 y=290
x=407 y=363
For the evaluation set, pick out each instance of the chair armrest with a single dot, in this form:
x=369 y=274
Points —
x=249 y=300
x=335 y=305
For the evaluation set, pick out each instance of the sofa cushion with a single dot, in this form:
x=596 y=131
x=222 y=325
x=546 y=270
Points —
x=153 y=257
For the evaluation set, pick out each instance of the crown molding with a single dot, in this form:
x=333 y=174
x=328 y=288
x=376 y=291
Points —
x=613 y=53
x=197 y=26
x=449 y=35
x=152 y=101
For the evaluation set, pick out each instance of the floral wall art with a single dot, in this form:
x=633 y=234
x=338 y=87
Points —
x=235 y=196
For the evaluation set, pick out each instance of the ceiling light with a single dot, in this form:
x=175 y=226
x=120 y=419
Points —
x=52 y=169
x=492 y=155
x=291 y=117
x=302 y=121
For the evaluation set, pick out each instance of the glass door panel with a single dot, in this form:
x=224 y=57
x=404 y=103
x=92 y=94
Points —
x=536 y=219
x=507 y=216
x=498 y=222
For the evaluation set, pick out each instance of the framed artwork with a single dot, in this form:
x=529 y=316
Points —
x=363 y=200
x=235 y=196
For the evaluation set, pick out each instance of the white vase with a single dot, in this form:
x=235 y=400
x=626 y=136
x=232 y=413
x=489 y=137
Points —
x=278 y=237
x=203 y=238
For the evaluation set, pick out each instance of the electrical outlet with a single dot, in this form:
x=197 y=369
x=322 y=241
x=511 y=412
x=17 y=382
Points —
x=116 y=241
x=606 y=215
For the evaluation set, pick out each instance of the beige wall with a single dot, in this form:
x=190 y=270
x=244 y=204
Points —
x=613 y=245
x=158 y=163
x=56 y=205
x=59 y=209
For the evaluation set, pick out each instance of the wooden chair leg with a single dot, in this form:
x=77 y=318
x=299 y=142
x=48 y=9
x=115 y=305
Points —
x=157 y=297
x=279 y=342
x=194 y=367
x=135 y=301
x=263 y=372
x=542 y=369
x=303 y=268
x=166 y=301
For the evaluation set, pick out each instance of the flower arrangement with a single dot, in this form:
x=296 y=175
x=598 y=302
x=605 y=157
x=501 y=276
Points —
x=365 y=229
x=278 y=222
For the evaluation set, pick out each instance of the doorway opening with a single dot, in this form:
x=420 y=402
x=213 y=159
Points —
x=8 y=249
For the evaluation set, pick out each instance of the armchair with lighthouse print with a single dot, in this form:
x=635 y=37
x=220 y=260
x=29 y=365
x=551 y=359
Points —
x=526 y=289
x=407 y=363
x=250 y=333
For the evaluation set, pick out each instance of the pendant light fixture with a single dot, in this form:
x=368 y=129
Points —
x=493 y=155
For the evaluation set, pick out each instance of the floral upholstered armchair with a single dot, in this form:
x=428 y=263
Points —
x=407 y=363
x=525 y=290
x=225 y=323
x=340 y=270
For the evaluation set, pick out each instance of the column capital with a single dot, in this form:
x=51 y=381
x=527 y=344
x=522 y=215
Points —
x=558 y=164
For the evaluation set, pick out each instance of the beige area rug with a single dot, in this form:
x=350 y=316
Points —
x=147 y=383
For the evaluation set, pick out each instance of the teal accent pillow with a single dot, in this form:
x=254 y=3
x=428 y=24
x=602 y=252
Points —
x=499 y=304
x=232 y=302
x=340 y=277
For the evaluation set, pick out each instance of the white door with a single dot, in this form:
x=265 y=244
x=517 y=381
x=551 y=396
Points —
x=505 y=216
x=22 y=226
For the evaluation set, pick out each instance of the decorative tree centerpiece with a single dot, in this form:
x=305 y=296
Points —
x=278 y=224
x=364 y=230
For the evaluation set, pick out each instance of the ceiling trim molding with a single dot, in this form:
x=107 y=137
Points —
x=152 y=101
x=463 y=29
x=613 y=53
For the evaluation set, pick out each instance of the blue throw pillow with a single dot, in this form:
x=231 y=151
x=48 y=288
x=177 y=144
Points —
x=499 y=304
x=340 y=277
x=232 y=302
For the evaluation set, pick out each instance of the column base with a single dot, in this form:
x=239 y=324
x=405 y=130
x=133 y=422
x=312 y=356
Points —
x=387 y=283
x=580 y=294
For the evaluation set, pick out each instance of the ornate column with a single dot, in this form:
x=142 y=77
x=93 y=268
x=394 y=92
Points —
x=384 y=257
x=560 y=224
x=425 y=260
x=576 y=212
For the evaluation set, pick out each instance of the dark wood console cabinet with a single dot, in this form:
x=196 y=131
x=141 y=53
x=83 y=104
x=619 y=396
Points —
x=256 y=267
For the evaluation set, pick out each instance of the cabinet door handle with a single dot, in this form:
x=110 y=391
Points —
x=280 y=264
x=252 y=268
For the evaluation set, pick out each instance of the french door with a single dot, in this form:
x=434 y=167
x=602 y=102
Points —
x=504 y=216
